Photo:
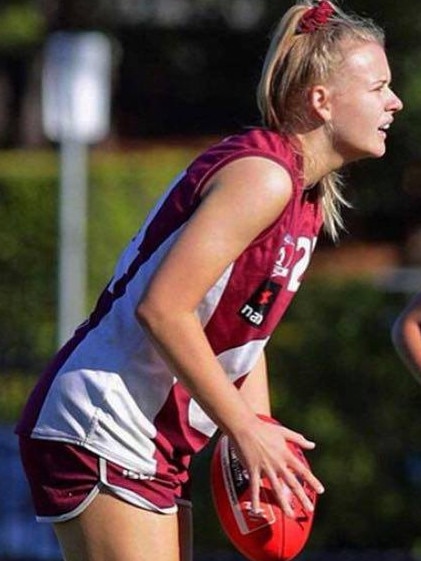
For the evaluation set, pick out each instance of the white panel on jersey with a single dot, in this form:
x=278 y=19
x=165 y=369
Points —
x=82 y=406
x=240 y=360
x=199 y=420
x=211 y=301
x=236 y=363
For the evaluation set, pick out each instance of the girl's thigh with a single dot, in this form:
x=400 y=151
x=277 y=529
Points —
x=110 y=529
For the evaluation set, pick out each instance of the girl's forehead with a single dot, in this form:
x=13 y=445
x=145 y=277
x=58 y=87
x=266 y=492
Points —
x=363 y=53
x=365 y=60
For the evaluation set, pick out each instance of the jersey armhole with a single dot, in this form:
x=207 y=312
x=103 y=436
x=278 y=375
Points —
x=238 y=156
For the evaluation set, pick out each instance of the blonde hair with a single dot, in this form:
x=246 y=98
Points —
x=298 y=60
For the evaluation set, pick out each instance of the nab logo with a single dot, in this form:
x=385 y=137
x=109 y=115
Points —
x=251 y=315
x=255 y=310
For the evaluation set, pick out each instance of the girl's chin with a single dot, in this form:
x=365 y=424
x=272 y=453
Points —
x=380 y=152
x=354 y=154
x=377 y=152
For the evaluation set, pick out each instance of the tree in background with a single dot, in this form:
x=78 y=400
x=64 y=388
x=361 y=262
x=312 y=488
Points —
x=22 y=29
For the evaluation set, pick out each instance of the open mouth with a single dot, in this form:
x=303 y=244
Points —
x=384 y=128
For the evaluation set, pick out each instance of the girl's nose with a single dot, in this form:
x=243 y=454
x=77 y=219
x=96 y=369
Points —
x=396 y=103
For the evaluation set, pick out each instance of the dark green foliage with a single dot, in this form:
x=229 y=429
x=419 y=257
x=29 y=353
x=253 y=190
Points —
x=27 y=257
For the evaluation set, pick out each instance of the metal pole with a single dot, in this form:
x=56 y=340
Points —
x=72 y=267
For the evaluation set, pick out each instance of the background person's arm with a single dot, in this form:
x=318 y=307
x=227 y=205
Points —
x=406 y=336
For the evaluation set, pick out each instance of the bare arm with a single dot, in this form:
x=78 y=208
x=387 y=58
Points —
x=406 y=336
x=255 y=389
x=213 y=239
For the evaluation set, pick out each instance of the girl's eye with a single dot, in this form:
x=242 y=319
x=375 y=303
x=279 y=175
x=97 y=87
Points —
x=382 y=87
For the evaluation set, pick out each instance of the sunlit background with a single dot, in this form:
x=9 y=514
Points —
x=177 y=75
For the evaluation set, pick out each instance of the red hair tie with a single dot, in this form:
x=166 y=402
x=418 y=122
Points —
x=315 y=17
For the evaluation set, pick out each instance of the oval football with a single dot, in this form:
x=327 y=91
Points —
x=270 y=537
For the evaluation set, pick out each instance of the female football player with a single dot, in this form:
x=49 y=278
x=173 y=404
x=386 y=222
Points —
x=174 y=349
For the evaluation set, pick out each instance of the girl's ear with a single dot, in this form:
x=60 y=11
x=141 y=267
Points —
x=320 y=102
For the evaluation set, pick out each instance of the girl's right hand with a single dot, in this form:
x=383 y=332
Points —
x=264 y=452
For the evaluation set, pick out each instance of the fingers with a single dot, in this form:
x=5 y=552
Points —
x=255 y=483
x=282 y=495
x=298 y=438
x=289 y=480
x=283 y=486
x=277 y=459
x=305 y=474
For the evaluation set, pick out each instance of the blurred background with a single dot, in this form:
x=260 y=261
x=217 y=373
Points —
x=166 y=78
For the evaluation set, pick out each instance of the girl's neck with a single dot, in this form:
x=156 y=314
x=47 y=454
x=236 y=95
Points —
x=319 y=157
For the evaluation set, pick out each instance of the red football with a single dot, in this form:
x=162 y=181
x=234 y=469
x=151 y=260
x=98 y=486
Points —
x=271 y=537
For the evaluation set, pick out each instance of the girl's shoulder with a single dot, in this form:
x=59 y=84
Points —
x=259 y=142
